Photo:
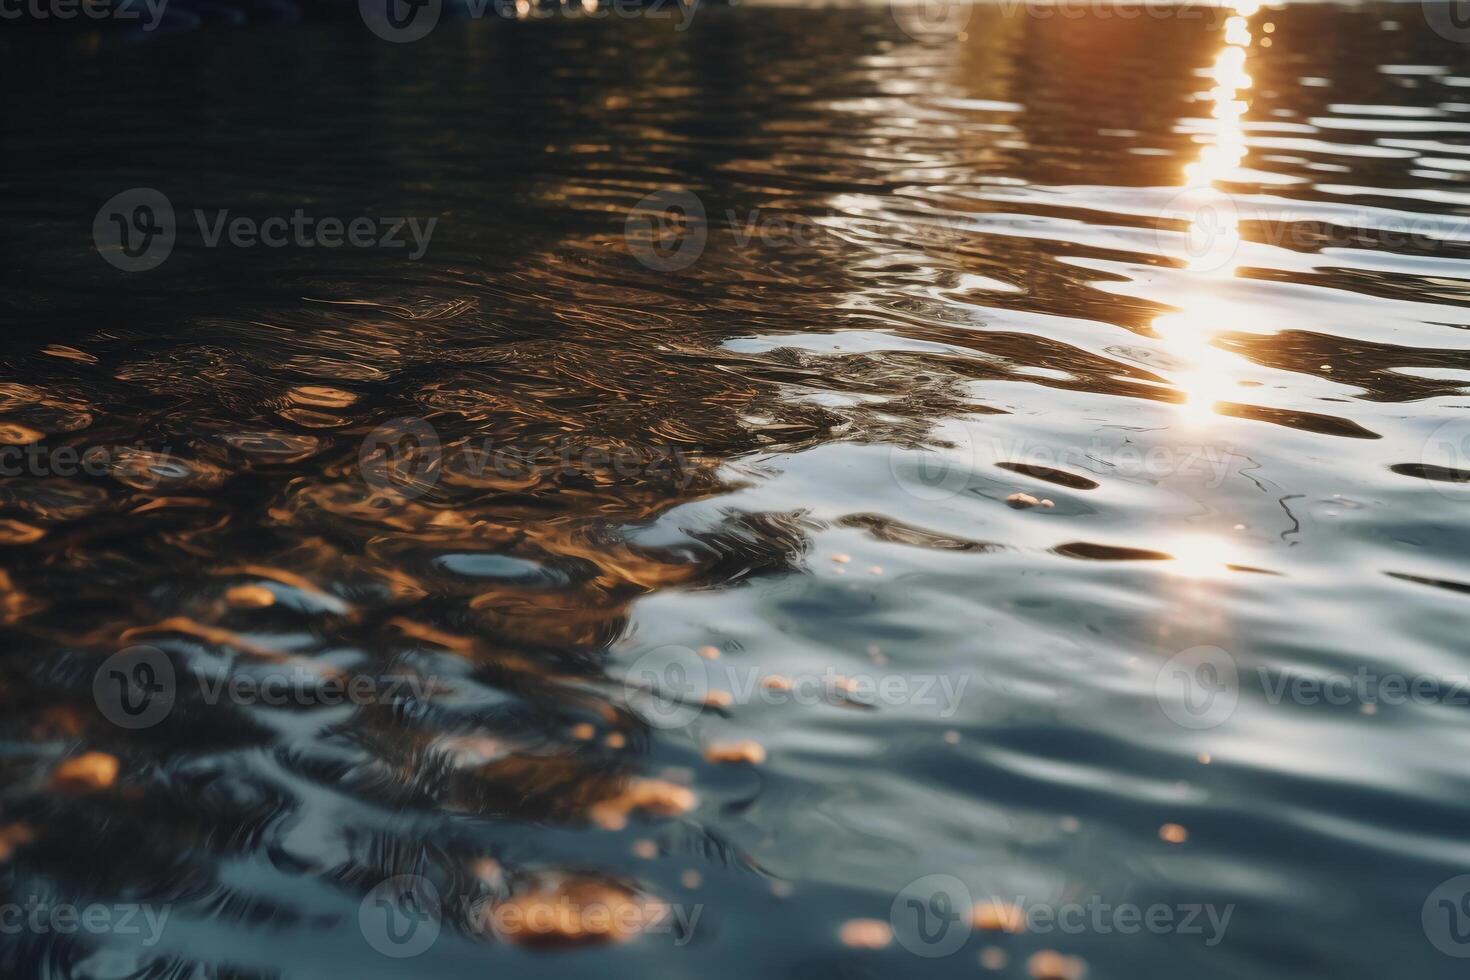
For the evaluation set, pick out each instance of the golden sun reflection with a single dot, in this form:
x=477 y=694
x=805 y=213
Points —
x=1213 y=235
x=1204 y=556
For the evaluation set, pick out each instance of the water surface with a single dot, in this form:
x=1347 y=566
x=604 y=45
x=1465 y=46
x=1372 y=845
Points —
x=1197 y=282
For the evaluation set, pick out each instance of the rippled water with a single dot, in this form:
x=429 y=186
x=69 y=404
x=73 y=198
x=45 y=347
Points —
x=1193 y=280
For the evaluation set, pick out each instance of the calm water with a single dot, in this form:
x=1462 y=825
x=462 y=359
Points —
x=1196 y=285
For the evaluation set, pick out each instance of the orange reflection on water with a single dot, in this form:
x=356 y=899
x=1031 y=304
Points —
x=1213 y=235
x=1227 y=138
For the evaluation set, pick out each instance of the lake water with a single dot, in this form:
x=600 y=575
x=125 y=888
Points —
x=668 y=382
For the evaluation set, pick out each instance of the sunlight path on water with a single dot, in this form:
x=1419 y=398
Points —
x=1213 y=236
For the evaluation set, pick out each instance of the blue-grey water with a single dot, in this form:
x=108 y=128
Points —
x=677 y=390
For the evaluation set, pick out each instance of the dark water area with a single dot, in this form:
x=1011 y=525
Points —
x=357 y=597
